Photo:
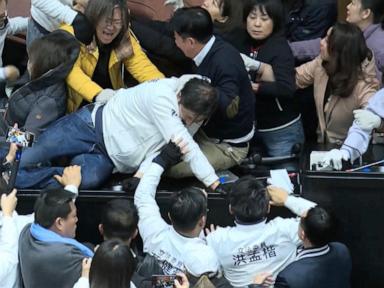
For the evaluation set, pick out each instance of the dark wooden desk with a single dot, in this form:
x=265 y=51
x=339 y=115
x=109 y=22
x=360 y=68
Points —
x=357 y=200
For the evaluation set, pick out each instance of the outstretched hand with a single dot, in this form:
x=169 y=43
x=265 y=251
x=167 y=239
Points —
x=71 y=176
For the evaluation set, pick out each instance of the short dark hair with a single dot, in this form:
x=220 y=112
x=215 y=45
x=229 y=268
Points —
x=186 y=208
x=377 y=9
x=112 y=265
x=193 y=22
x=249 y=200
x=199 y=96
x=319 y=226
x=273 y=8
x=97 y=9
x=52 y=204
x=119 y=218
x=51 y=50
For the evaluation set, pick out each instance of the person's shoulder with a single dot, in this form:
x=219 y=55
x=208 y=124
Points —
x=339 y=248
x=224 y=55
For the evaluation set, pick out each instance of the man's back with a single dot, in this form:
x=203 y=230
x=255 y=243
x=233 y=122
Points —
x=318 y=268
x=235 y=114
x=246 y=250
x=47 y=265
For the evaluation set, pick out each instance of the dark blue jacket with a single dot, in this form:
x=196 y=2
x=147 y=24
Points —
x=235 y=114
x=325 y=267
x=311 y=19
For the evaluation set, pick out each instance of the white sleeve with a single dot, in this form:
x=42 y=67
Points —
x=8 y=246
x=147 y=162
x=288 y=227
x=150 y=221
x=170 y=125
x=82 y=283
x=2 y=74
x=72 y=188
x=56 y=10
x=357 y=141
x=298 y=205
x=17 y=25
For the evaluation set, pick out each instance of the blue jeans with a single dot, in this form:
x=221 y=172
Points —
x=280 y=142
x=74 y=136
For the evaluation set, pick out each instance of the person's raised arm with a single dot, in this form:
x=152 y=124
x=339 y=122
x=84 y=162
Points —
x=150 y=221
x=298 y=205
x=71 y=178
x=9 y=236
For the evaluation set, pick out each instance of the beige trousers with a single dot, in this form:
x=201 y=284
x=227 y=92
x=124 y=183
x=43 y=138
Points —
x=221 y=156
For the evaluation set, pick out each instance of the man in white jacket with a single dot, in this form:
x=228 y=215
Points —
x=11 y=225
x=255 y=245
x=130 y=128
x=177 y=247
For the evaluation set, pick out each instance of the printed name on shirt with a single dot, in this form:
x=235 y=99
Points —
x=169 y=264
x=254 y=254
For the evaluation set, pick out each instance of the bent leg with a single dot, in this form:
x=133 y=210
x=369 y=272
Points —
x=38 y=178
x=95 y=169
x=221 y=156
x=68 y=136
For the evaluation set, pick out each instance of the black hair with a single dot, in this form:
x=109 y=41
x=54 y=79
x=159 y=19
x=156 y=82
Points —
x=193 y=22
x=273 y=8
x=233 y=10
x=112 y=265
x=319 y=226
x=96 y=10
x=249 y=200
x=347 y=50
x=186 y=208
x=377 y=9
x=51 y=50
x=199 y=97
x=52 y=204
x=119 y=218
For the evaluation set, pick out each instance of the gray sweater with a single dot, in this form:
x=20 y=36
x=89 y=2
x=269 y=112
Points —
x=47 y=265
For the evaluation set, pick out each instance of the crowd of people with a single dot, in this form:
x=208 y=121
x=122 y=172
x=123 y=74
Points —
x=243 y=62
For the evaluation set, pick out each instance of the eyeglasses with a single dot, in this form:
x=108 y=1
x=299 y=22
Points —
x=115 y=23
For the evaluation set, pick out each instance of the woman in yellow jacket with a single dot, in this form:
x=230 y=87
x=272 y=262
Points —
x=98 y=70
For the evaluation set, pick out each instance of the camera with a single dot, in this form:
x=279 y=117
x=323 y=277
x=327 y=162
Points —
x=163 y=281
x=21 y=138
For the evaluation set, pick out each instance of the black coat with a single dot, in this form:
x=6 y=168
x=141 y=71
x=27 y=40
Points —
x=39 y=102
x=330 y=270
x=311 y=19
x=234 y=116
x=275 y=103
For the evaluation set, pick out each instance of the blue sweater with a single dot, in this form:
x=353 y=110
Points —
x=235 y=114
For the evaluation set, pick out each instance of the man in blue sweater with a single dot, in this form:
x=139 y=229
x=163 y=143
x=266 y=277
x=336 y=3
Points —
x=224 y=137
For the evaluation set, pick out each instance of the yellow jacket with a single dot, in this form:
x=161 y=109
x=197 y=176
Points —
x=79 y=80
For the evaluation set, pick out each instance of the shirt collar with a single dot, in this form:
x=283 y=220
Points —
x=203 y=52
x=312 y=252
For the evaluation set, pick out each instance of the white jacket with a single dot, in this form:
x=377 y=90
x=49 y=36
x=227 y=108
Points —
x=10 y=228
x=138 y=121
x=51 y=13
x=14 y=26
x=173 y=251
x=247 y=250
